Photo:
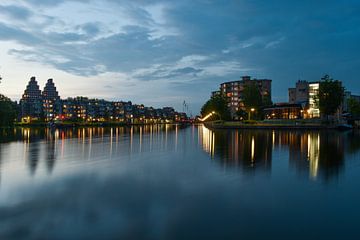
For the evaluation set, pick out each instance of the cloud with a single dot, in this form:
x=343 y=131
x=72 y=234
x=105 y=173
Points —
x=90 y=29
x=18 y=35
x=189 y=41
x=16 y=12
x=52 y=3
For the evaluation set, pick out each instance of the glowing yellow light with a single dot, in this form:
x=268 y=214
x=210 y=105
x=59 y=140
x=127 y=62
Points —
x=252 y=149
x=206 y=117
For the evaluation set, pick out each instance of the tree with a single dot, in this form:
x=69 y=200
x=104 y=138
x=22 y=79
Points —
x=252 y=97
x=329 y=96
x=354 y=107
x=217 y=104
x=7 y=111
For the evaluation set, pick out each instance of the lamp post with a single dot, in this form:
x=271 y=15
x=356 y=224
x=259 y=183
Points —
x=213 y=112
x=206 y=117
x=251 y=110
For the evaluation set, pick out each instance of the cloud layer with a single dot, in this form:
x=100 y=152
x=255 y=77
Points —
x=185 y=48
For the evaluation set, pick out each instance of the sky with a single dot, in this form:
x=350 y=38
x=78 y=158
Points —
x=161 y=53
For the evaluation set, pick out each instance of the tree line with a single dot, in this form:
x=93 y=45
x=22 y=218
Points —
x=8 y=111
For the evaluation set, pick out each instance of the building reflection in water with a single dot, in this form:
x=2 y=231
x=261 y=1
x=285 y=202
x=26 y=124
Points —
x=311 y=153
x=314 y=154
x=244 y=149
x=42 y=145
x=317 y=153
x=52 y=138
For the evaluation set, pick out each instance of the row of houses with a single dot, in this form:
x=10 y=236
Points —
x=48 y=106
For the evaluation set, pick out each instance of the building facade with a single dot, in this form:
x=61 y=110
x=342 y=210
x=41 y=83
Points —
x=31 y=104
x=299 y=94
x=284 y=111
x=304 y=94
x=48 y=106
x=233 y=90
x=313 y=110
x=51 y=101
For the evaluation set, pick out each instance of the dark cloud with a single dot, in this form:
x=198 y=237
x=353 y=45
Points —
x=16 y=12
x=53 y=3
x=18 y=35
x=91 y=29
x=187 y=70
x=280 y=40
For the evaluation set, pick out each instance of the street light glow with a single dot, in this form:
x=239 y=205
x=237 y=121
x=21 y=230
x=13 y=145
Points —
x=206 y=117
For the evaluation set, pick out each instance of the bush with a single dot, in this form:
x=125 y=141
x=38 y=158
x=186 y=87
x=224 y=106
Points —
x=7 y=112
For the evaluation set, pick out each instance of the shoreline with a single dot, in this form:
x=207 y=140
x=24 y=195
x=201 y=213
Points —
x=80 y=125
x=268 y=126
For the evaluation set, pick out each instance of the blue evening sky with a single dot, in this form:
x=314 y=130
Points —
x=164 y=52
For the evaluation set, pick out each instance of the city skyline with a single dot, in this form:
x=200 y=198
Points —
x=153 y=52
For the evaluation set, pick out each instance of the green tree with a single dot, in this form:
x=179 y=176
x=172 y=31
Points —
x=266 y=101
x=219 y=105
x=7 y=111
x=354 y=107
x=252 y=97
x=329 y=96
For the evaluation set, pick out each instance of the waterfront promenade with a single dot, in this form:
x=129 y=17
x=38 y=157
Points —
x=281 y=124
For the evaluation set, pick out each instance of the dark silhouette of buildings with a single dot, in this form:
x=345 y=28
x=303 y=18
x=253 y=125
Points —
x=48 y=106
x=51 y=101
x=31 y=101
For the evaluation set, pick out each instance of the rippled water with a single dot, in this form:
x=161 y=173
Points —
x=168 y=182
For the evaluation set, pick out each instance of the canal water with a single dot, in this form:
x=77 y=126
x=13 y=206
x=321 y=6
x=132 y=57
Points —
x=172 y=182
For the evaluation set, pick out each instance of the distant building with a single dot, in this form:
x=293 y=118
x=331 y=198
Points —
x=51 y=101
x=347 y=96
x=75 y=108
x=48 y=106
x=215 y=93
x=168 y=113
x=284 y=111
x=31 y=102
x=299 y=94
x=234 y=91
x=304 y=94
x=99 y=110
x=118 y=111
x=313 y=110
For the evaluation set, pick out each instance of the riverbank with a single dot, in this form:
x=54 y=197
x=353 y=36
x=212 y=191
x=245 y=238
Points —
x=279 y=125
x=86 y=124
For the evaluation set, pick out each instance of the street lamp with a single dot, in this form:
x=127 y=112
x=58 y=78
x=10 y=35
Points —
x=206 y=117
x=213 y=112
x=251 y=111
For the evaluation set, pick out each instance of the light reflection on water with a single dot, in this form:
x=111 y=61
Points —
x=171 y=182
x=314 y=152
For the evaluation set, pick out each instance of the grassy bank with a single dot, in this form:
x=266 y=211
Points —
x=271 y=124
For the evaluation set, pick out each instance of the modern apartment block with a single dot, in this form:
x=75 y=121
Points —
x=313 y=110
x=234 y=91
x=47 y=106
x=51 y=101
x=304 y=94
x=31 y=101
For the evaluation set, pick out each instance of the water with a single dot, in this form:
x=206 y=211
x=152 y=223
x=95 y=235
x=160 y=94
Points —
x=168 y=182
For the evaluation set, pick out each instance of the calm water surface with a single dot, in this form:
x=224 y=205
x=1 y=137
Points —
x=168 y=182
